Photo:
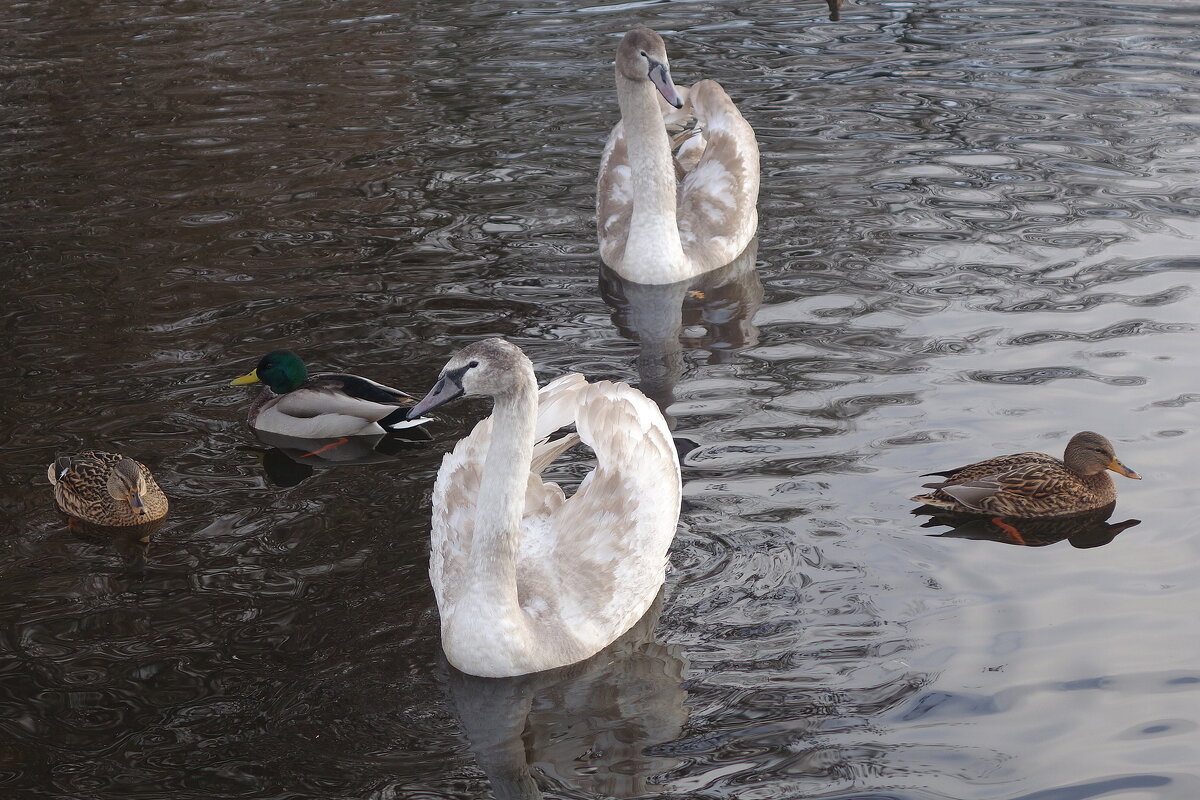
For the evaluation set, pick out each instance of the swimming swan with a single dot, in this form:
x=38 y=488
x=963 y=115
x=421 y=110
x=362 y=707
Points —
x=658 y=220
x=525 y=578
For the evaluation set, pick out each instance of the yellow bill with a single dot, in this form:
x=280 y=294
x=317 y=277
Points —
x=1119 y=468
x=248 y=378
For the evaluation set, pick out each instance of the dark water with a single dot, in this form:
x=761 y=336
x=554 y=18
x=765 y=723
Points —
x=979 y=226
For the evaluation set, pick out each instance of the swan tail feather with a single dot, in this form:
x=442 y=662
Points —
x=545 y=453
x=558 y=402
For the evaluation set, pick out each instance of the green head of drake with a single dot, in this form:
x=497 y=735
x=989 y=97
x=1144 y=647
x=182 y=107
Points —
x=281 y=370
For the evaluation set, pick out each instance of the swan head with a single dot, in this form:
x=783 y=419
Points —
x=491 y=367
x=642 y=56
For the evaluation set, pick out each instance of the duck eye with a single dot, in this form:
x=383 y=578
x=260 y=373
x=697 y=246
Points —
x=644 y=54
x=473 y=364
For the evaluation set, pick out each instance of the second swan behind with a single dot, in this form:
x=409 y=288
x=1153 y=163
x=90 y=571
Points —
x=658 y=220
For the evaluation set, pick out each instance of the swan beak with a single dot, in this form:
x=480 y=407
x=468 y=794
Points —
x=445 y=390
x=1119 y=468
x=248 y=378
x=661 y=78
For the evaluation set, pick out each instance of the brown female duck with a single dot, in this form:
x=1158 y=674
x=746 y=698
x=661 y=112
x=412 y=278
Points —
x=106 y=489
x=1027 y=485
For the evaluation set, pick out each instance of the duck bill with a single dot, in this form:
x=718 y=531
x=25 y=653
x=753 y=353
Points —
x=1119 y=468
x=245 y=380
x=137 y=504
x=660 y=76
x=445 y=390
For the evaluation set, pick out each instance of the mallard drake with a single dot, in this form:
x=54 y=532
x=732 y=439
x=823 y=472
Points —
x=322 y=406
x=1029 y=485
x=106 y=489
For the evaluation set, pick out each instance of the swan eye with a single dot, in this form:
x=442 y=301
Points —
x=473 y=364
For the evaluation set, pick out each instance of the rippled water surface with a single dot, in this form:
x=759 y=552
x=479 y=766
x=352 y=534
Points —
x=979 y=235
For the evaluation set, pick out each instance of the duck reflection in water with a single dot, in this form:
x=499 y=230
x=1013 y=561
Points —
x=666 y=318
x=1089 y=529
x=288 y=460
x=131 y=543
x=586 y=726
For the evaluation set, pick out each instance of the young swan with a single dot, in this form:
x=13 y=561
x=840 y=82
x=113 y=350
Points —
x=1033 y=484
x=525 y=578
x=655 y=224
x=106 y=489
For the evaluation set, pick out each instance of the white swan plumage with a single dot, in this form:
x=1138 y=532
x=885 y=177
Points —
x=662 y=219
x=527 y=579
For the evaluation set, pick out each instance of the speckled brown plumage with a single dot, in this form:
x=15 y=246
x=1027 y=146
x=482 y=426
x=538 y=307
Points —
x=81 y=489
x=1030 y=485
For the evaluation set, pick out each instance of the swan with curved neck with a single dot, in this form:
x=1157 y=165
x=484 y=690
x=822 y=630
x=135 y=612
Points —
x=657 y=221
x=525 y=578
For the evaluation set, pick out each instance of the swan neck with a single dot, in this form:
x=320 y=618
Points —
x=502 y=492
x=652 y=167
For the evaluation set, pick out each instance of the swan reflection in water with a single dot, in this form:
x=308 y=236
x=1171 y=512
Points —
x=289 y=460
x=713 y=311
x=585 y=726
x=1090 y=529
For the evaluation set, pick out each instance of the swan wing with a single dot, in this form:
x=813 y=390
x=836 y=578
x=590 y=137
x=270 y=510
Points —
x=558 y=401
x=690 y=148
x=614 y=196
x=718 y=198
x=456 y=490
x=598 y=560
x=455 y=494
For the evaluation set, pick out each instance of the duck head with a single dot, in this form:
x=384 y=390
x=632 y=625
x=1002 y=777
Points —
x=126 y=483
x=1089 y=453
x=281 y=370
